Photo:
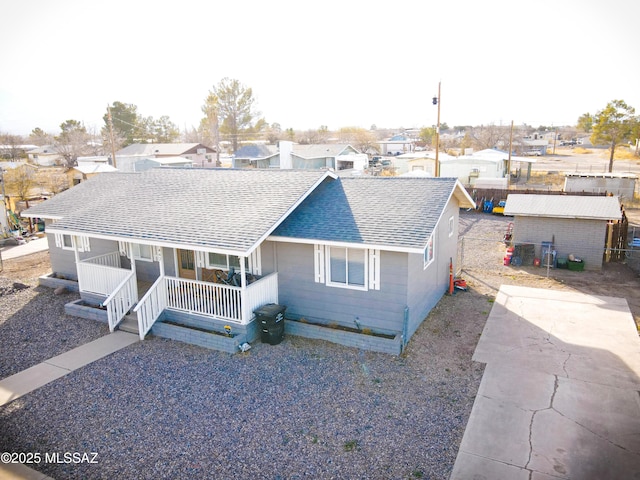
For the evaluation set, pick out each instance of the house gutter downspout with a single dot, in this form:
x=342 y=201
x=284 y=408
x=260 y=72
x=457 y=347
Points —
x=405 y=329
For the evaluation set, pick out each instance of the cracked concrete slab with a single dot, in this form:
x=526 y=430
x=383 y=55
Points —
x=559 y=397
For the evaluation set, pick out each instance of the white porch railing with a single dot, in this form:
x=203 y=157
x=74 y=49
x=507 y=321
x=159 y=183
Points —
x=210 y=299
x=121 y=300
x=260 y=293
x=151 y=306
x=111 y=259
x=100 y=279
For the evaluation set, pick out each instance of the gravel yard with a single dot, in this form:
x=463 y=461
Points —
x=303 y=408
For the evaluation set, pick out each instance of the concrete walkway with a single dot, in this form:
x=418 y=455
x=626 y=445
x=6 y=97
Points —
x=32 y=378
x=32 y=246
x=559 y=398
x=15 y=386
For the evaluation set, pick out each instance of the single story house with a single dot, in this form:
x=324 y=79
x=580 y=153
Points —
x=197 y=154
x=424 y=161
x=621 y=184
x=45 y=156
x=397 y=145
x=149 y=163
x=93 y=159
x=256 y=156
x=84 y=171
x=488 y=163
x=168 y=245
x=288 y=155
x=573 y=224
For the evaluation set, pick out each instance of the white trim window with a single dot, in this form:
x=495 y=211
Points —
x=225 y=262
x=452 y=226
x=429 y=252
x=70 y=242
x=67 y=242
x=142 y=252
x=344 y=267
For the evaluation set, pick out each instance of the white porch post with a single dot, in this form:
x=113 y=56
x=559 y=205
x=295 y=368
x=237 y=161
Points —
x=243 y=293
x=161 y=261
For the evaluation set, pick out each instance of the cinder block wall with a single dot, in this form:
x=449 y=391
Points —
x=583 y=238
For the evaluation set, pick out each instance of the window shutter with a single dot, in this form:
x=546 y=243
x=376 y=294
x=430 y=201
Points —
x=59 y=240
x=82 y=243
x=124 y=249
x=201 y=260
x=318 y=263
x=374 y=269
x=255 y=262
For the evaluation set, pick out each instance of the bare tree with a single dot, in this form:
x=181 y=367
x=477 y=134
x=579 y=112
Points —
x=72 y=142
x=490 y=136
x=11 y=146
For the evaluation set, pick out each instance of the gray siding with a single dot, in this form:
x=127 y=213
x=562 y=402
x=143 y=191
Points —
x=427 y=286
x=63 y=262
x=375 y=309
x=583 y=238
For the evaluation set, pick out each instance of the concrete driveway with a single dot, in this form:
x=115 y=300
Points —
x=560 y=395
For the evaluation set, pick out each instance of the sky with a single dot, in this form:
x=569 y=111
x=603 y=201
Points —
x=334 y=63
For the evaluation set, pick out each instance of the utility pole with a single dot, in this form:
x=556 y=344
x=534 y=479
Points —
x=113 y=144
x=436 y=101
x=509 y=160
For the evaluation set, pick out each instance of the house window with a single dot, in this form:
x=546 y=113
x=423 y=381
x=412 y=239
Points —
x=142 y=252
x=428 y=252
x=452 y=226
x=225 y=262
x=67 y=242
x=354 y=268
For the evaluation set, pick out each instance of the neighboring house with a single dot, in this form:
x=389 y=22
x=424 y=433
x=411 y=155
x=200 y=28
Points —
x=102 y=159
x=397 y=145
x=622 y=185
x=198 y=154
x=308 y=240
x=256 y=156
x=537 y=146
x=424 y=161
x=45 y=156
x=85 y=171
x=575 y=225
x=489 y=163
x=14 y=152
x=337 y=156
x=288 y=155
x=148 y=163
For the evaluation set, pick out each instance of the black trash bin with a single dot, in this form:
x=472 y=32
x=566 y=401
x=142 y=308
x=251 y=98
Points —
x=270 y=317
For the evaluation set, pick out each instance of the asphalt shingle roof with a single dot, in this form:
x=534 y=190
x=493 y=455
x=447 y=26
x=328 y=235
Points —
x=563 y=206
x=322 y=150
x=395 y=212
x=220 y=209
x=157 y=149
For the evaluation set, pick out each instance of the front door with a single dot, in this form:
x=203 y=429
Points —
x=186 y=264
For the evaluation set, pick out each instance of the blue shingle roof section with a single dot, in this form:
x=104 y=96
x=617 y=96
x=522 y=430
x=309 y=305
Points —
x=384 y=211
x=217 y=209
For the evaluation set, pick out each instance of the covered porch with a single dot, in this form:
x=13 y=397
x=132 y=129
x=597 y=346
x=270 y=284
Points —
x=195 y=287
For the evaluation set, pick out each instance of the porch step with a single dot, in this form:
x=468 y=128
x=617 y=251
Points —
x=130 y=323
